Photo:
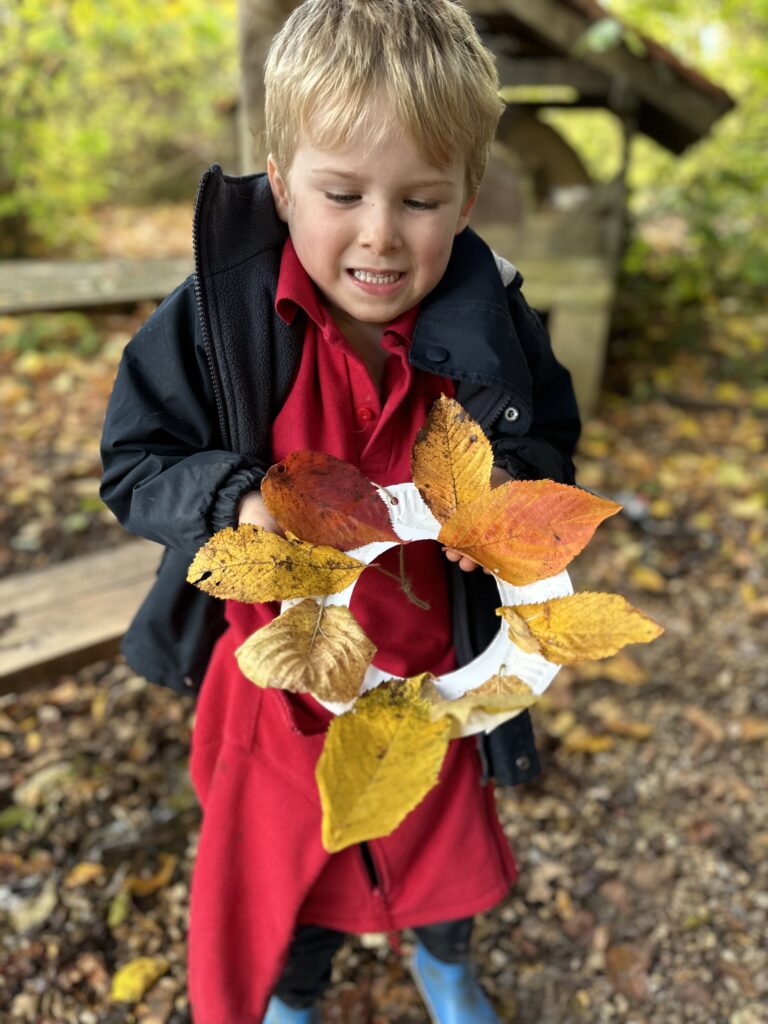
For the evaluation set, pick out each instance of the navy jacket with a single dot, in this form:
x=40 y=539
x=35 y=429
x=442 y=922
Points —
x=187 y=427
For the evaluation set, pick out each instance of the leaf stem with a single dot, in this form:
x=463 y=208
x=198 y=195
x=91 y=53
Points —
x=402 y=579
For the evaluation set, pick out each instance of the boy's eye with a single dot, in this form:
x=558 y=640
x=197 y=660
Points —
x=341 y=197
x=420 y=204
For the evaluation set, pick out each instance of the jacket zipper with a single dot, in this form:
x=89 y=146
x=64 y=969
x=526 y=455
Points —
x=202 y=313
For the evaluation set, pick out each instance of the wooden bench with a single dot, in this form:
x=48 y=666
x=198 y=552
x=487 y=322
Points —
x=27 y=286
x=60 y=618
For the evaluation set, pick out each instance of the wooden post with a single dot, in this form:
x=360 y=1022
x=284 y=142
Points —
x=258 y=21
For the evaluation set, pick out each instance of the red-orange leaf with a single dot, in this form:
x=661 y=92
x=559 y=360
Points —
x=527 y=530
x=326 y=501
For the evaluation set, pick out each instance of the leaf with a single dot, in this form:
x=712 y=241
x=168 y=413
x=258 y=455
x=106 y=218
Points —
x=83 y=874
x=580 y=627
x=647 y=578
x=132 y=981
x=161 y=878
x=252 y=564
x=309 y=649
x=379 y=761
x=451 y=459
x=526 y=530
x=581 y=741
x=326 y=501
x=500 y=693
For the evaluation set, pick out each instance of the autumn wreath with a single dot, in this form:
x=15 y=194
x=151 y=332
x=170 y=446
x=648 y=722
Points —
x=383 y=751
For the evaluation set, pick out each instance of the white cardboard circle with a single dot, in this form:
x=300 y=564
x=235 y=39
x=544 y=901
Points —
x=412 y=520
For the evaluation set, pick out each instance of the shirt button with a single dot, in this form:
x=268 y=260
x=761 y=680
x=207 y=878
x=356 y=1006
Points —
x=365 y=414
x=511 y=414
x=436 y=354
x=523 y=763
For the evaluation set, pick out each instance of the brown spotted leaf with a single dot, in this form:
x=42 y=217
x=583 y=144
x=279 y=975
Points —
x=526 y=530
x=451 y=459
x=250 y=564
x=326 y=501
x=309 y=649
x=580 y=627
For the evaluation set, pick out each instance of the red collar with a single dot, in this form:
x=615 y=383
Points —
x=296 y=290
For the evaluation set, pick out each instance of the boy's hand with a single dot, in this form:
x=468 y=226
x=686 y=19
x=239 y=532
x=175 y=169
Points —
x=498 y=476
x=253 y=510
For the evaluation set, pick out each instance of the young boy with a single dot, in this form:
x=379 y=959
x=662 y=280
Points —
x=334 y=299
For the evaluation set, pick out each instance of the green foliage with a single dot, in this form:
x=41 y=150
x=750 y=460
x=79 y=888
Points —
x=100 y=97
x=50 y=332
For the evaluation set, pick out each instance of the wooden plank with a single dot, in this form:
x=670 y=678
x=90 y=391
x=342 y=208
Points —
x=656 y=82
x=30 y=285
x=60 y=618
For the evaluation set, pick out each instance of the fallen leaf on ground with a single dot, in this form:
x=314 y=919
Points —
x=451 y=459
x=309 y=649
x=132 y=981
x=379 y=761
x=326 y=501
x=251 y=564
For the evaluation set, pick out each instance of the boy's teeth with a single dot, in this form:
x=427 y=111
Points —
x=363 y=275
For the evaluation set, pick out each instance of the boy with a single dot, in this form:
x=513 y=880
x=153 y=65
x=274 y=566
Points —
x=334 y=299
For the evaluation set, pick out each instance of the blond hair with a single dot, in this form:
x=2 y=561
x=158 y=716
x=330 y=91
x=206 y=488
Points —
x=333 y=58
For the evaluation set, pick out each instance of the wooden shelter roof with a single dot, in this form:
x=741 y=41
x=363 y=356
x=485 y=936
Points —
x=535 y=40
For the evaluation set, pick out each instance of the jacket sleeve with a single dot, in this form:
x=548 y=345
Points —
x=546 y=450
x=166 y=475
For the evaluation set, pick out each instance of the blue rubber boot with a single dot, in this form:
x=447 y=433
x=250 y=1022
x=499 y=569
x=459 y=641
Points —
x=279 y=1012
x=450 y=992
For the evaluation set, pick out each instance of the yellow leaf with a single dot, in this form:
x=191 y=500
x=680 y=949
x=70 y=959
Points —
x=498 y=694
x=646 y=578
x=309 y=649
x=451 y=459
x=119 y=908
x=581 y=741
x=251 y=564
x=526 y=530
x=132 y=981
x=83 y=874
x=161 y=878
x=581 y=627
x=749 y=729
x=618 y=669
x=379 y=761
x=612 y=719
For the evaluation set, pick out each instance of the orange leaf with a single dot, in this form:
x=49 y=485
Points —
x=451 y=459
x=526 y=530
x=326 y=501
x=580 y=627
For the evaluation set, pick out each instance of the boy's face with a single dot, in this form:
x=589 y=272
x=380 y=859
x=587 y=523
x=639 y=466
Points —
x=373 y=226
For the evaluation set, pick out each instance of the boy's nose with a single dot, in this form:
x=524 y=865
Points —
x=380 y=233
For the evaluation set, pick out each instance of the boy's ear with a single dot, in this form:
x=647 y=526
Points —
x=279 y=189
x=464 y=215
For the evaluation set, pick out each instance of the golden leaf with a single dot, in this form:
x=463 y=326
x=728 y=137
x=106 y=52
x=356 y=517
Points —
x=146 y=886
x=132 y=981
x=451 y=459
x=379 y=761
x=251 y=564
x=526 y=530
x=83 y=874
x=309 y=649
x=581 y=741
x=581 y=627
x=500 y=693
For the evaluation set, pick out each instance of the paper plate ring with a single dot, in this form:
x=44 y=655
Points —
x=412 y=520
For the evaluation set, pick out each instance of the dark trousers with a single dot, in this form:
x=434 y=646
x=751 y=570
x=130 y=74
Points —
x=307 y=973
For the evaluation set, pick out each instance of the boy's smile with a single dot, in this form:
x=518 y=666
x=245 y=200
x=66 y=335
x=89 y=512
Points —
x=373 y=225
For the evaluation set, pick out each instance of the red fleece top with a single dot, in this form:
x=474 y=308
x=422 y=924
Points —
x=261 y=867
